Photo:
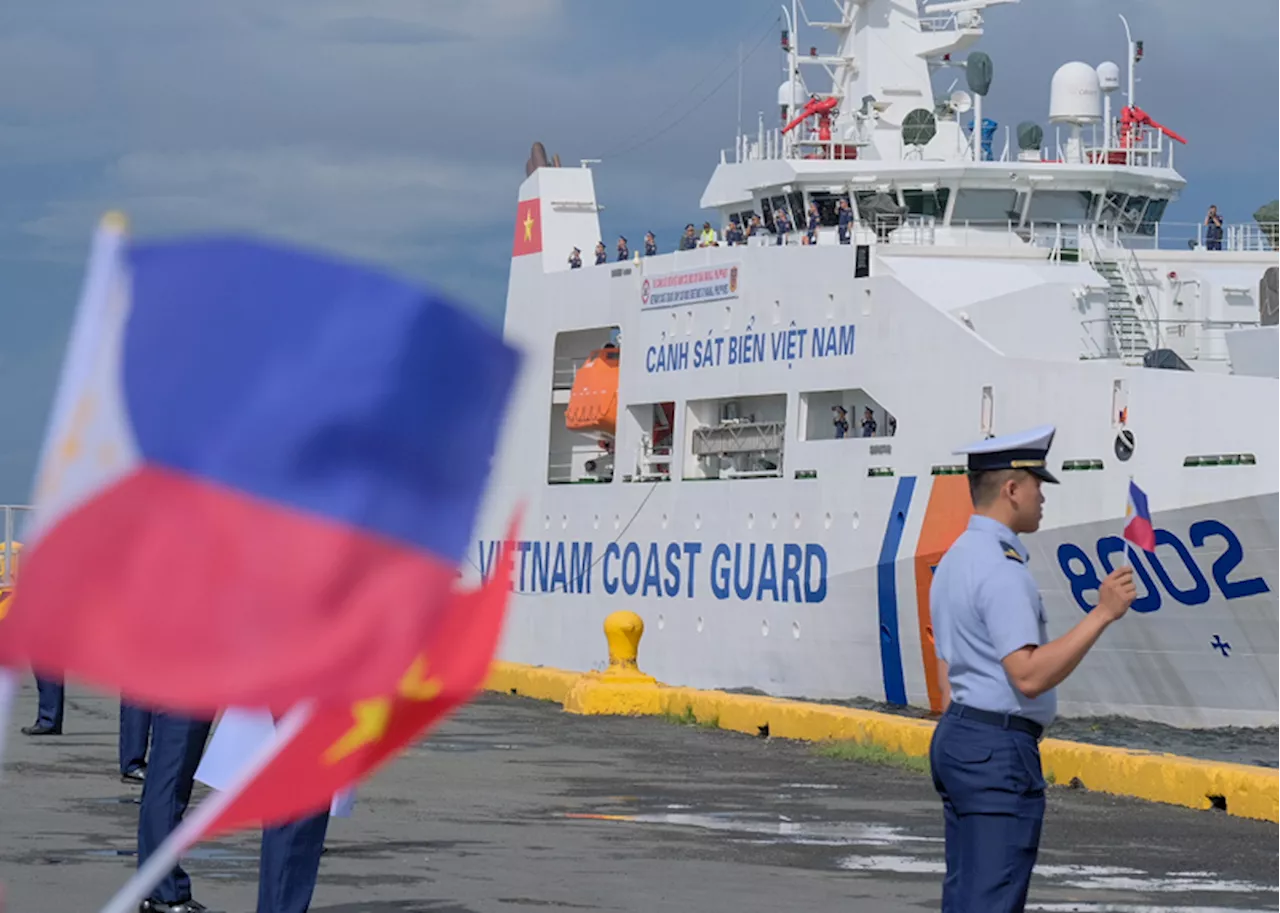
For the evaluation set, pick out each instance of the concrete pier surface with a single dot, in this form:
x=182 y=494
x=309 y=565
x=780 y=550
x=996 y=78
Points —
x=514 y=806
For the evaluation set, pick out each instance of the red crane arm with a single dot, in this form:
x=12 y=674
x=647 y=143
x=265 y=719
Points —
x=812 y=107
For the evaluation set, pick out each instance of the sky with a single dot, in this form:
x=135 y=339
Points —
x=397 y=130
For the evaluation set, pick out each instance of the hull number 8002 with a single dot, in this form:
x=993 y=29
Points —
x=1153 y=571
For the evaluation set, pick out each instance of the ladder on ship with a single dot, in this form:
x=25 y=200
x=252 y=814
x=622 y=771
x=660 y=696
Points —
x=1128 y=301
x=1127 y=327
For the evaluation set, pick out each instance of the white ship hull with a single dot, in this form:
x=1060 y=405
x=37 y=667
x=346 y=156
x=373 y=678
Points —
x=764 y=552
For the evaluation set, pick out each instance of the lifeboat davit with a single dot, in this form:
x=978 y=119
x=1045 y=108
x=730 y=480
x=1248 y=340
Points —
x=593 y=401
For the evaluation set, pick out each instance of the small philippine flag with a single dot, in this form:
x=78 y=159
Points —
x=1137 y=520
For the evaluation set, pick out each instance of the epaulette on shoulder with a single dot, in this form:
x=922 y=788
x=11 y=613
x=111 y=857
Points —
x=1011 y=553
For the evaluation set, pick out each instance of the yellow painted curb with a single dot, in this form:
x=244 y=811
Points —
x=1248 y=792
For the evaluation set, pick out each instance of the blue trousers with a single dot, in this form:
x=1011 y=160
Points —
x=992 y=791
x=289 y=864
x=177 y=742
x=52 y=697
x=135 y=732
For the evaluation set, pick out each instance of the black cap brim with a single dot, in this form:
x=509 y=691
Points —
x=1044 y=475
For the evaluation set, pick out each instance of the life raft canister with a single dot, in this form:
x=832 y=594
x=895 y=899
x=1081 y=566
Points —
x=593 y=401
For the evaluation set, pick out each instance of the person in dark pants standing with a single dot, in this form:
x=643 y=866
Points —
x=289 y=860
x=289 y=864
x=52 y=700
x=999 y=670
x=135 y=733
x=177 y=742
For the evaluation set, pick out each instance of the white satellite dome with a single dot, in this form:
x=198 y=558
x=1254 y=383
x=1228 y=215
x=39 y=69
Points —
x=1108 y=76
x=1074 y=94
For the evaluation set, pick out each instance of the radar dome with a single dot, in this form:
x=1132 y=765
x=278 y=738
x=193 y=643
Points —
x=1108 y=76
x=1074 y=96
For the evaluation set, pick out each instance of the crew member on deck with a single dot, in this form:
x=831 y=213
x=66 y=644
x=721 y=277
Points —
x=999 y=671
x=623 y=253
x=845 y=215
x=1213 y=229
x=733 y=234
x=602 y=255
x=781 y=225
x=813 y=223
x=575 y=259
x=650 y=245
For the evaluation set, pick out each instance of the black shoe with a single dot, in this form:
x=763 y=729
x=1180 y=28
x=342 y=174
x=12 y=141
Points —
x=159 y=906
x=41 y=729
x=136 y=775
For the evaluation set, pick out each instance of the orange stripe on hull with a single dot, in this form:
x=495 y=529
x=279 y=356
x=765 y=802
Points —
x=945 y=518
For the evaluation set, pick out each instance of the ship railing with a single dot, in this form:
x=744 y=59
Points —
x=564 y=369
x=942 y=23
x=15 y=520
x=1202 y=341
x=1064 y=240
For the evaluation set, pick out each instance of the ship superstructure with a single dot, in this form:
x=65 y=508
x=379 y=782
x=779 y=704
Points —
x=750 y=445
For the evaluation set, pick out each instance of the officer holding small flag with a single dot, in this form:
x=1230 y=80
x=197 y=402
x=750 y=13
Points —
x=999 y=670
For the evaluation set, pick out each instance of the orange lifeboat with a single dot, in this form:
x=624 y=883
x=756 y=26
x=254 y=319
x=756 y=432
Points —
x=593 y=401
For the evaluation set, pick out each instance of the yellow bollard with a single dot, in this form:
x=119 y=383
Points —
x=622 y=632
x=622 y=688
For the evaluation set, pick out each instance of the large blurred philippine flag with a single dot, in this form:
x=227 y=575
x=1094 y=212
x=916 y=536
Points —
x=260 y=475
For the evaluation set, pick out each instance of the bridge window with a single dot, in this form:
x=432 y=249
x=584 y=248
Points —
x=735 y=438
x=986 y=206
x=1069 y=206
x=828 y=207
x=842 y=414
x=921 y=202
x=1151 y=218
x=649 y=434
x=584 y=403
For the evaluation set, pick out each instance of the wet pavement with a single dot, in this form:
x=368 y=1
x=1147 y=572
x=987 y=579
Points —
x=516 y=806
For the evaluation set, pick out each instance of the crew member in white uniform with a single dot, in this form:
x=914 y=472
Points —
x=999 y=670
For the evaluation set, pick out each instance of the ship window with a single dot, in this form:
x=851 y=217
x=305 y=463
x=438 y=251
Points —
x=828 y=207
x=926 y=202
x=584 y=403
x=986 y=206
x=766 y=212
x=735 y=437
x=821 y=418
x=799 y=211
x=1152 y=217
x=1111 y=207
x=648 y=436
x=1069 y=206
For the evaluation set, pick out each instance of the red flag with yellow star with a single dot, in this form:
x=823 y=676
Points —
x=336 y=747
x=528 y=238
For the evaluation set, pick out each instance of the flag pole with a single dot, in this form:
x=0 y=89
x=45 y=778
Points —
x=193 y=826
x=1128 y=494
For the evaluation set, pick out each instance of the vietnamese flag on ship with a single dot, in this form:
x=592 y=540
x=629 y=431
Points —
x=262 y=470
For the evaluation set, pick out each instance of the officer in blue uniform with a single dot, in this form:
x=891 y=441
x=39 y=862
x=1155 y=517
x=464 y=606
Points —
x=51 y=696
x=999 y=670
